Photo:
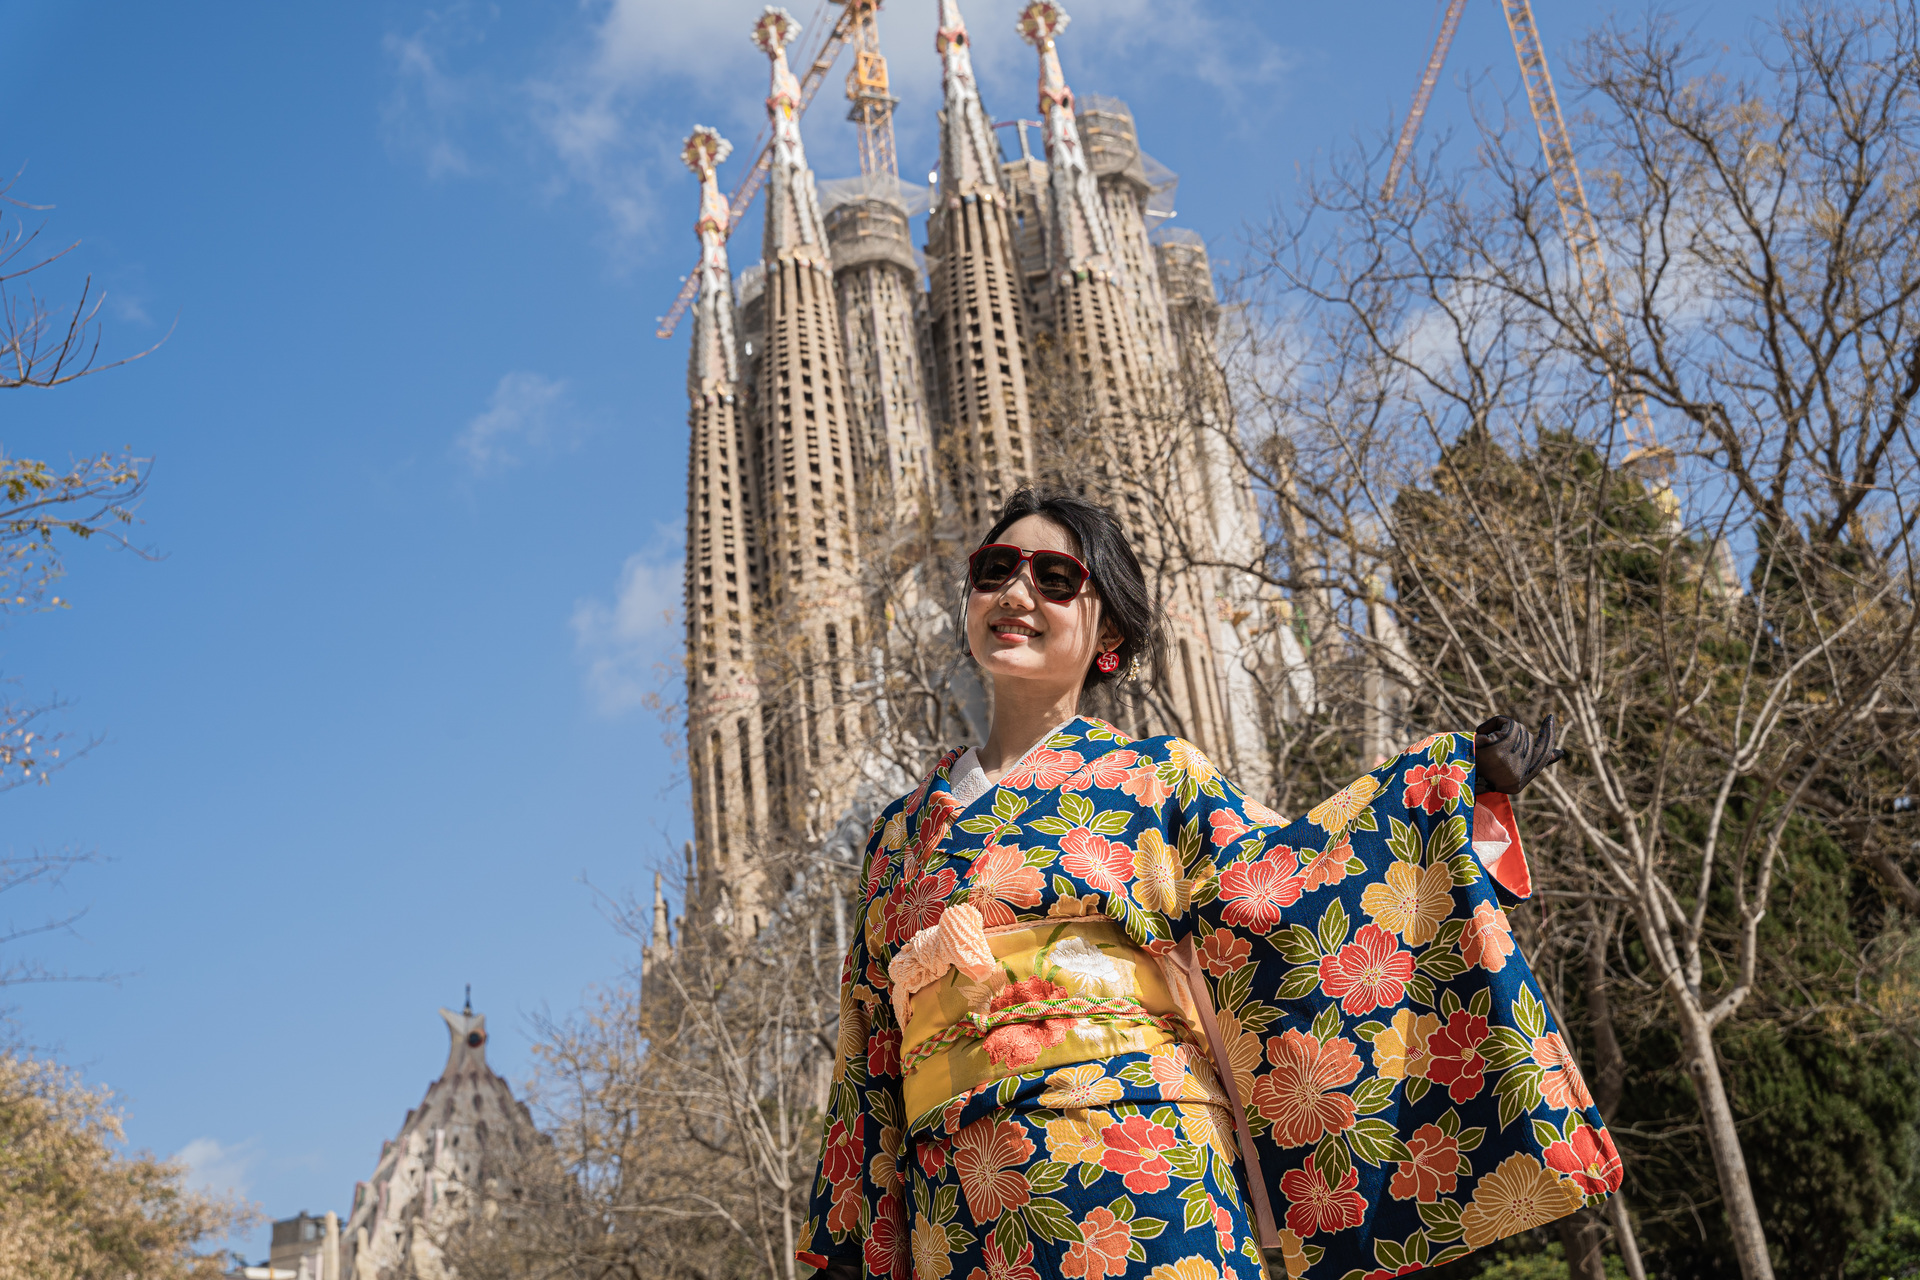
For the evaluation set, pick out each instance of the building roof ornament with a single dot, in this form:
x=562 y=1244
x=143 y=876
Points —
x=1079 y=238
x=713 y=361
x=456 y=1156
x=969 y=157
x=793 y=206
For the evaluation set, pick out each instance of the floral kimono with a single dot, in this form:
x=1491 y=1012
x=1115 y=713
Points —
x=1110 y=1018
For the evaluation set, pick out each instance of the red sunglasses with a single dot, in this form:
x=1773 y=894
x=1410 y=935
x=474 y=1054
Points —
x=1056 y=575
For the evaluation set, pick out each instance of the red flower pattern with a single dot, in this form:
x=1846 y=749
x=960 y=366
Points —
x=1228 y=826
x=844 y=1154
x=1144 y=784
x=1316 y=1205
x=1455 y=1059
x=1435 y=1166
x=1329 y=866
x=1019 y=1044
x=1431 y=786
x=1590 y=1159
x=1134 y=1149
x=1043 y=767
x=1368 y=972
x=883 y=1053
x=886 y=1250
x=1107 y=772
x=1225 y=952
x=1254 y=892
x=918 y=905
x=877 y=871
x=1002 y=881
x=999 y=1267
x=1104 y=864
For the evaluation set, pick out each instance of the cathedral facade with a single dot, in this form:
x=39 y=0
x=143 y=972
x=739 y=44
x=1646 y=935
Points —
x=851 y=396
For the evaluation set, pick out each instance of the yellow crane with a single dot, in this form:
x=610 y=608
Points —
x=873 y=105
x=867 y=89
x=1576 y=217
x=822 y=62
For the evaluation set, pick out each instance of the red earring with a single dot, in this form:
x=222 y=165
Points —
x=1109 y=661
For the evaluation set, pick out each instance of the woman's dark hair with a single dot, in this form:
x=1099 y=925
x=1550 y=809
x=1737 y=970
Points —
x=1115 y=569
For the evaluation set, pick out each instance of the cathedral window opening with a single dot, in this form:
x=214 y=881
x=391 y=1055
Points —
x=717 y=772
x=746 y=777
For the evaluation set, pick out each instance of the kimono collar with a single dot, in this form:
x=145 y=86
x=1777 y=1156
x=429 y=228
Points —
x=969 y=781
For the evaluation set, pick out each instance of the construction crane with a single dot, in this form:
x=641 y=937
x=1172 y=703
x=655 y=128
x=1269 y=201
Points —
x=1576 y=216
x=867 y=89
x=823 y=59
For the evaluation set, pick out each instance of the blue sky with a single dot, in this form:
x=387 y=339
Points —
x=375 y=714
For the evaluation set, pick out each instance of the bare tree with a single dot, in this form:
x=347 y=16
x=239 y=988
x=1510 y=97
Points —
x=1723 y=618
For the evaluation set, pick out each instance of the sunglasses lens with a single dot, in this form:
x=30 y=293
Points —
x=1059 y=577
x=992 y=566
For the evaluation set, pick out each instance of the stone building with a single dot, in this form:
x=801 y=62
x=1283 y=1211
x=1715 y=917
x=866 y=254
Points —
x=873 y=391
x=452 y=1159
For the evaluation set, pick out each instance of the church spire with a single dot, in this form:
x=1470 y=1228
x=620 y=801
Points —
x=714 y=361
x=723 y=740
x=1079 y=239
x=978 y=312
x=793 y=205
x=806 y=466
x=969 y=159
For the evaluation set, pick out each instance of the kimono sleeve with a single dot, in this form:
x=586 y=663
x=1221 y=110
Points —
x=855 y=1213
x=1408 y=1094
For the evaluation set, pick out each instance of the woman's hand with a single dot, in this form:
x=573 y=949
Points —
x=1510 y=757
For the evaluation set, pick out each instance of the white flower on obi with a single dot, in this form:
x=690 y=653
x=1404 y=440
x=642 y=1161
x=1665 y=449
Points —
x=1086 y=970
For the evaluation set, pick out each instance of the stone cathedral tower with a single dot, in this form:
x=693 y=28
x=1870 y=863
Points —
x=726 y=754
x=843 y=404
x=1109 y=321
x=453 y=1159
x=803 y=457
x=876 y=283
x=978 y=311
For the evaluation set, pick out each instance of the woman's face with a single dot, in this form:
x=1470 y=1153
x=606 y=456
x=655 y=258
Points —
x=1017 y=634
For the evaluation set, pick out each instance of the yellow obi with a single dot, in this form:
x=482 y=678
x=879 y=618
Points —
x=1070 y=989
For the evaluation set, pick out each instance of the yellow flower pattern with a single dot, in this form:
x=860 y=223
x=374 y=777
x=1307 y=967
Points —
x=1372 y=1006
x=1400 y=1051
x=1411 y=901
x=1338 y=810
x=1518 y=1196
x=1084 y=1085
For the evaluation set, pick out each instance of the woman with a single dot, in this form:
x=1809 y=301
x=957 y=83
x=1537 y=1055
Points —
x=1106 y=1016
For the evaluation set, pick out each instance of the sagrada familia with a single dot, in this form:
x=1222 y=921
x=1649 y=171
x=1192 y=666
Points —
x=850 y=397
x=846 y=391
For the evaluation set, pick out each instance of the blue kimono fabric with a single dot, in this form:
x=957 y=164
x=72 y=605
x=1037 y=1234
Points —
x=1027 y=1085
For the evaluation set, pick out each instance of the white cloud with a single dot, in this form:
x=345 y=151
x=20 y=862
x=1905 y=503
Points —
x=215 y=1167
x=606 y=102
x=127 y=307
x=429 y=105
x=628 y=645
x=526 y=409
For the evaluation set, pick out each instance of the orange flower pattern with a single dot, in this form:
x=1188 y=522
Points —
x=1401 y=1074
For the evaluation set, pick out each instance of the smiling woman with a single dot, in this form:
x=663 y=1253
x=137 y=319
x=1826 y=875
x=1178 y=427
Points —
x=1108 y=1017
x=1057 y=602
